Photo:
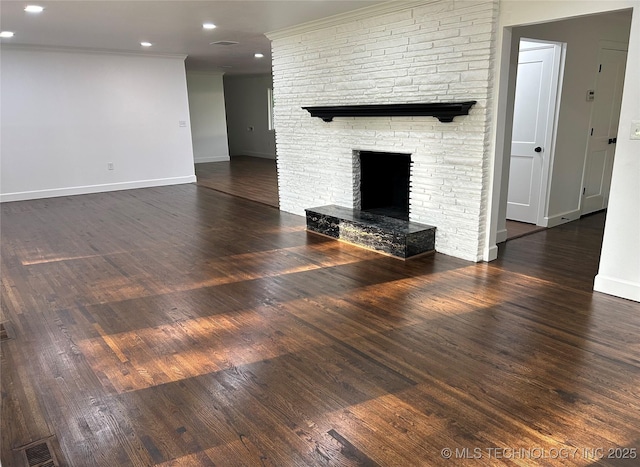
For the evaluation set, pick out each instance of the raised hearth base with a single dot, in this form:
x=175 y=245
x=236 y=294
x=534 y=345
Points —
x=396 y=237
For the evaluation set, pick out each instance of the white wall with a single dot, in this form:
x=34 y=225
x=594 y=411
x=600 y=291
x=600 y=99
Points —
x=619 y=272
x=66 y=115
x=431 y=51
x=247 y=106
x=208 y=118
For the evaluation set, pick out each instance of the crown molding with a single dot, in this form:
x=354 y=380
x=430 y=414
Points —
x=392 y=6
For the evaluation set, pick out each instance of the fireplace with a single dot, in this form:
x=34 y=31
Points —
x=379 y=219
x=382 y=183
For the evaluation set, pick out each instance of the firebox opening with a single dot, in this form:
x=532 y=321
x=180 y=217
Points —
x=384 y=183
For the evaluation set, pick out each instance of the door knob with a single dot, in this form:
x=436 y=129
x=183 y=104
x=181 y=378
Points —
x=538 y=149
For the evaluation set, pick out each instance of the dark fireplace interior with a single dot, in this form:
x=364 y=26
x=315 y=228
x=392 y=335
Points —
x=384 y=183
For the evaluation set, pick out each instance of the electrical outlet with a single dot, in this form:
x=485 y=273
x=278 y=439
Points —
x=109 y=165
x=635 y=129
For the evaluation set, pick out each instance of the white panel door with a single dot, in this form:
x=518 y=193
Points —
x=605 y=115
x=532 y=121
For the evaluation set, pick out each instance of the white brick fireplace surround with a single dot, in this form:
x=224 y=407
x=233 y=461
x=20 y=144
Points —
x=399 y=52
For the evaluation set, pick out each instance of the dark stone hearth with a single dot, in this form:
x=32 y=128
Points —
x=395 y=237
x=443 y=111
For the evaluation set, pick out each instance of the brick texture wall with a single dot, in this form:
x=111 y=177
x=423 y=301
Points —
x=432 y=51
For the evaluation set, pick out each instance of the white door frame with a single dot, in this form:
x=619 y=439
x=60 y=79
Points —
x=549 y=145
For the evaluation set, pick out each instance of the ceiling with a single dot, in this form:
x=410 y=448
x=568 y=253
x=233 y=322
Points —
x=173 y=27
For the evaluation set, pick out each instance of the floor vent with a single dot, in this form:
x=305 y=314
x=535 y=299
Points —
x=40 y=454
x=6 y=331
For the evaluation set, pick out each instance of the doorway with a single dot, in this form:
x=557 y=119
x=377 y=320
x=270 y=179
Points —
x=582 y=38
x=539 y=74
x=581 y=34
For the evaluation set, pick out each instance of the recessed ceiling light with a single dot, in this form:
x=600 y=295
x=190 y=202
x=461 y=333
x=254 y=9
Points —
x=6 y=34
x=33 y=9
x=209 y=26
x=258 y=55
x=146 y=44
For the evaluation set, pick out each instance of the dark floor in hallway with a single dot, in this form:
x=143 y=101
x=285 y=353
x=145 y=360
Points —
x=247 y=177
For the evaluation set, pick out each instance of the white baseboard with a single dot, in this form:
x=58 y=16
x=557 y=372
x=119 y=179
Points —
x=83 y=190
x=202 y=160
x=617 y=287
x=562 y=218
x=490 y=254
x=501 y=236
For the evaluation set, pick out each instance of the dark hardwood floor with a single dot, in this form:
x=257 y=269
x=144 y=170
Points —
x=183 y=326
x=520 y=229
x=247 y=177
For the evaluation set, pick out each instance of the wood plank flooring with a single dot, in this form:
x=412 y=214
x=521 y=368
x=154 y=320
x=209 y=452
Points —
x=180 y=326
x=253 y=178
x=520 y=229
